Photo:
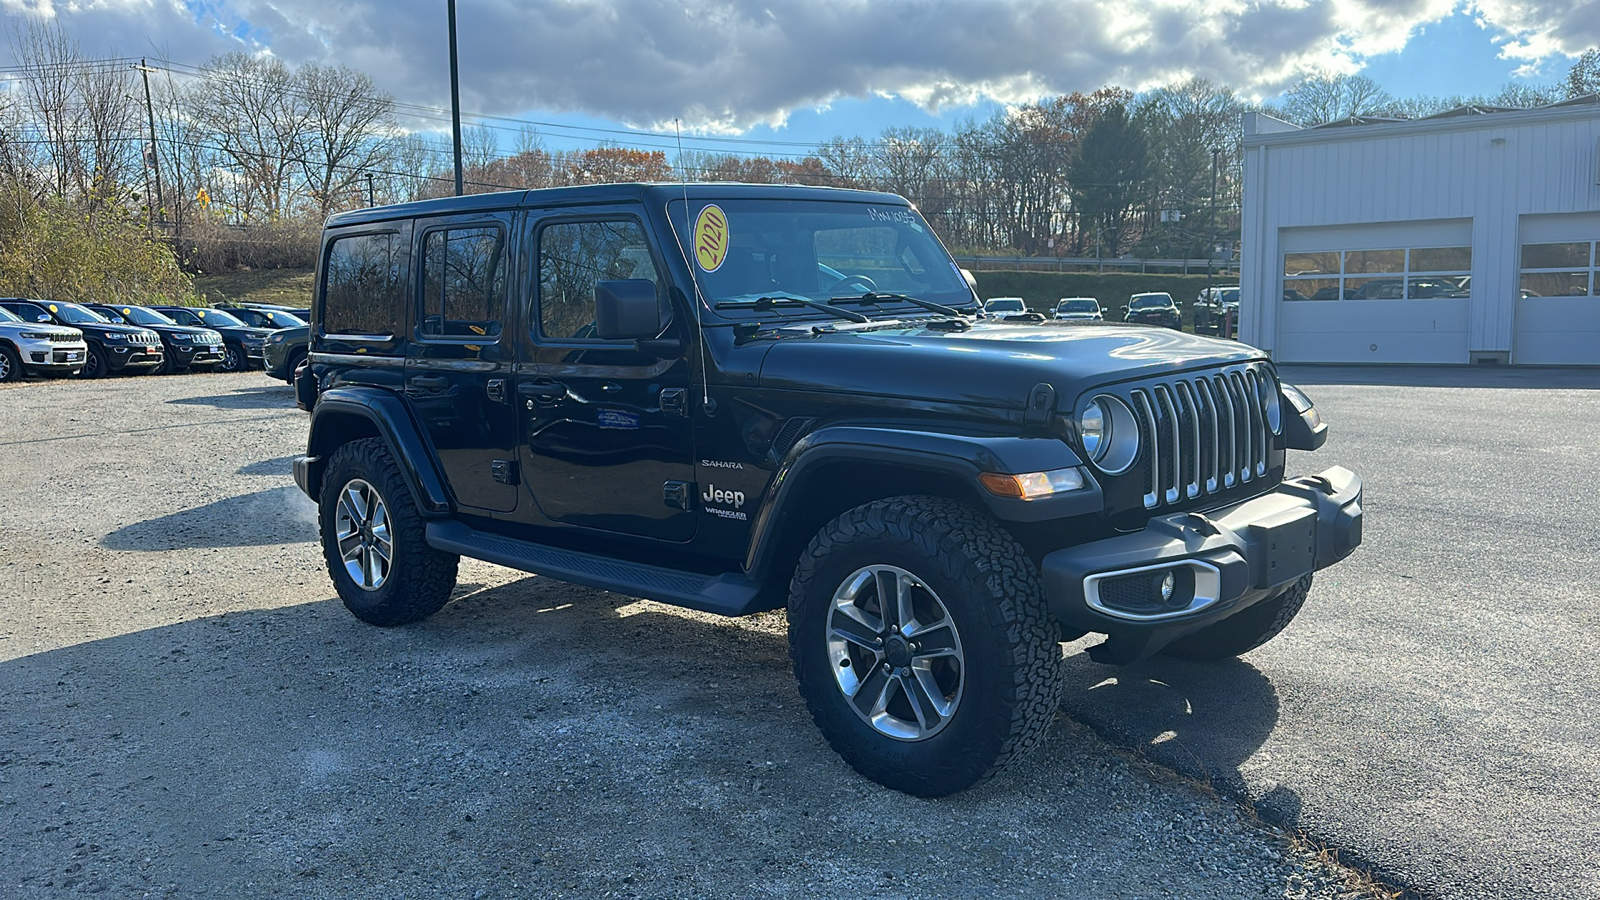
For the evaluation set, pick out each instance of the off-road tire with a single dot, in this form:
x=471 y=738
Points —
x=94 y=364
x=10 y=364
x=1239 y=634
x=990 y=589
x=420 y=578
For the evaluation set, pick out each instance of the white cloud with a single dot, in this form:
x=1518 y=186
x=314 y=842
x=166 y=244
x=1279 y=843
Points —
x=723 y=66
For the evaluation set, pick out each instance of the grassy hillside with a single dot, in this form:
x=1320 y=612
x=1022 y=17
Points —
x=288 y=287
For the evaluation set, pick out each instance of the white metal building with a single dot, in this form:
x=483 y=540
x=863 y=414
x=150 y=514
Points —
x=1466 y=237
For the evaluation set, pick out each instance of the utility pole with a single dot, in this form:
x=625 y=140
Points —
x=371 y=201
x=1211 y=224
x=455 y=94
x=155 y=155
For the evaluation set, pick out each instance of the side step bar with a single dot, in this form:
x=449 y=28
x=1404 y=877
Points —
x=727 y=595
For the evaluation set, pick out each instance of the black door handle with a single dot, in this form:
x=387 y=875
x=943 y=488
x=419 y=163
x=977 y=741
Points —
x=543 y=391
x=430 y=382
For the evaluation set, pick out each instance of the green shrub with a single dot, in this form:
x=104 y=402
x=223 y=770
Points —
x=52 y=250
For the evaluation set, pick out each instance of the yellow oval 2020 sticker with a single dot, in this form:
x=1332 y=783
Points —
x=711 y=238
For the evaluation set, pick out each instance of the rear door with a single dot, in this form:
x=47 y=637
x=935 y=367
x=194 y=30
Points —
x=605 y=434
x=459 y=361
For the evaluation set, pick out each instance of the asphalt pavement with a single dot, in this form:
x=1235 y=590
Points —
x=1434 y=711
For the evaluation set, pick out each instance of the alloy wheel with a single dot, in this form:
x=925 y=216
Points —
x=5 y=367
x=895 y=653
x=361 y=523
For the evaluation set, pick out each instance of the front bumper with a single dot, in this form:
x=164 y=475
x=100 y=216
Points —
x=188 y=355
x=1224 y=561
x=50 y=357
x=133 y=356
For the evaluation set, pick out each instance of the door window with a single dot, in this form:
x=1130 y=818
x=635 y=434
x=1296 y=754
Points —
x=573 y=256
x=463 y=283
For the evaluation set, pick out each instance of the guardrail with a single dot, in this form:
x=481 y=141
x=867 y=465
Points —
x=1095 y=264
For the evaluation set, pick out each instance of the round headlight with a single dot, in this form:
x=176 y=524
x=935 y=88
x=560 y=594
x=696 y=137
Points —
x=1092 y=429
x=1110 y=434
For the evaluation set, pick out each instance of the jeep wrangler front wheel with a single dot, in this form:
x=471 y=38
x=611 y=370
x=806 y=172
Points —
x=922 y=644
x=372 y=540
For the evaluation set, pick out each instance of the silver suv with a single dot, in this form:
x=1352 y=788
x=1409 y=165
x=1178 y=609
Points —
x=28 y=348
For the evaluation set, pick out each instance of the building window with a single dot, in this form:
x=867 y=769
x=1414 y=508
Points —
x=1561 y=270
x=1412 y=273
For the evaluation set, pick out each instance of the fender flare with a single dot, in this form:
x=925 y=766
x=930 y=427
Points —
x=958 y=456
x=392 y=419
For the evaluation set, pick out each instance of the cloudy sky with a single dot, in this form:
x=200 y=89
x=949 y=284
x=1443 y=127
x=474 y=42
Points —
x=805 y=70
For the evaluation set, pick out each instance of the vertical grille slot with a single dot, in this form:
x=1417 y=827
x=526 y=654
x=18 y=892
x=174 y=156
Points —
x=1201 y=435
x=1150 y=438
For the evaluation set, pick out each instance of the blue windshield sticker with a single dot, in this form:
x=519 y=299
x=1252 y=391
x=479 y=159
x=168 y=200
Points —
x=618 y=419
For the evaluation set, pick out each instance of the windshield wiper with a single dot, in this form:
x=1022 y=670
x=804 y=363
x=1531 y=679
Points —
x=761 y=303
x=872 y=298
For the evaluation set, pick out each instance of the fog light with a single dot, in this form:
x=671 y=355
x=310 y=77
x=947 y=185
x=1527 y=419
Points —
x=1169 y=583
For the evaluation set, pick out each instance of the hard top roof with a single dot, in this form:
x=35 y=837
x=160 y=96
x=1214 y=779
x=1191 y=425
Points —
x=591 y=194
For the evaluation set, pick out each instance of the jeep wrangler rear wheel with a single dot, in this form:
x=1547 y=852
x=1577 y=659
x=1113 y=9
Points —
x=372 y=540
x=1239 y=634
x=922 y=644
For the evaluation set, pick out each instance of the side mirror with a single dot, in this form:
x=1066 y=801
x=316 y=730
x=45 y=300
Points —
x=43 y=318
x=628 y=309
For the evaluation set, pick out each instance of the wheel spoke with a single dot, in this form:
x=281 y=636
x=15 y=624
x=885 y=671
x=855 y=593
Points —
x=928 y=690
x=849 y=625
x=350 y=546
x=356 y=504
x=889 y=589
x=934 y=640
x=872 y=694
x=921 y=704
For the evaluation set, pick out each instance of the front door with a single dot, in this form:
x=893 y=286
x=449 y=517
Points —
x=605 y=434
x=459 y=362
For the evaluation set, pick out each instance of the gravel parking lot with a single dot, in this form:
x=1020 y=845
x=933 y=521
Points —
x=187 y=711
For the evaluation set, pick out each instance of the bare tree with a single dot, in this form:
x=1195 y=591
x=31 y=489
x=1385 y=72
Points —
x=1327 y=97
x=254 y=112
x=349 y=132
x=47 y=59
x=1584 y=76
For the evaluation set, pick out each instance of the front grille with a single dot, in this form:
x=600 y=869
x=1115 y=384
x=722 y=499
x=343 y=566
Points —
x=146 y=338
x=1202 y=434
x=58 y=338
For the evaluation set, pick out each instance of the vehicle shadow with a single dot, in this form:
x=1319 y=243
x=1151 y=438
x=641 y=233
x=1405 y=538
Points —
x=1203 y=720
x=1508 y=377
x=505 y=745
x=266 y=397
x=281 y=515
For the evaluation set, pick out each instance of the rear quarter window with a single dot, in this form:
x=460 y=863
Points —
x=362 y=286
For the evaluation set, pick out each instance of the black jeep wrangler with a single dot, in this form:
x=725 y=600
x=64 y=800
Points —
x=738 y=398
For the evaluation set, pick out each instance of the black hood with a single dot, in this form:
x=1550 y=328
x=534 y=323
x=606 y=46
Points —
x=989 y=364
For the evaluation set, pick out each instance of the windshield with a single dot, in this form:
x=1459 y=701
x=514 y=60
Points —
x=1230 y=295
x=817 y=250
x=1004 y=304
x=279 y=319
x=1069 y=306
x=138 y=315
x=1148 y=301
x=7 y=315
x=215 y=317
x=73 y=314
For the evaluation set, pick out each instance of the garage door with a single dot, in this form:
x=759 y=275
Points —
x=1380 y=293
x=1558 y=314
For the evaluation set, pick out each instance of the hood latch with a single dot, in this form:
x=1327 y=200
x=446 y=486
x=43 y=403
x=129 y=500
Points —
x=1041 y=407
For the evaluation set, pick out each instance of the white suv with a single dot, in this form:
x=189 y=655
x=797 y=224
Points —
x=29 y=348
